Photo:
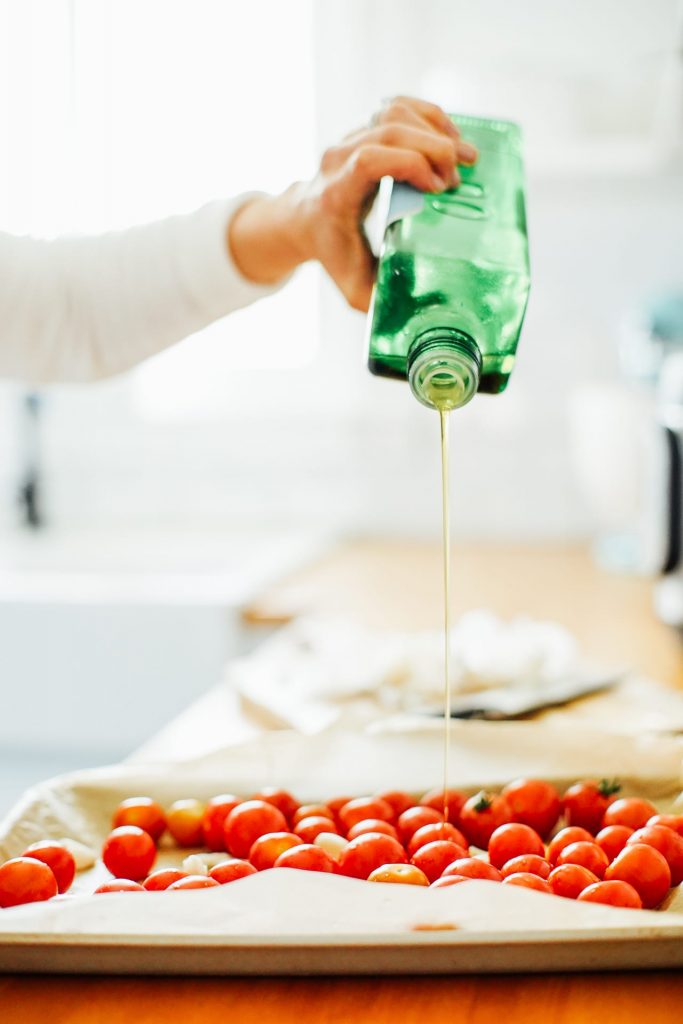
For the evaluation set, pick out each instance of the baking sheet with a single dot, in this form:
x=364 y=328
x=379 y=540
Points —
x=296 y=922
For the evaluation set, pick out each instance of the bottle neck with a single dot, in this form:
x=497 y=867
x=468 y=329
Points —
x=443 y=368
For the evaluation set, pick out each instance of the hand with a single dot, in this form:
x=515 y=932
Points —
x=409 y=139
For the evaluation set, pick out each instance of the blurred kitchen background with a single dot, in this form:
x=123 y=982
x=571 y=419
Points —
x=137 y=515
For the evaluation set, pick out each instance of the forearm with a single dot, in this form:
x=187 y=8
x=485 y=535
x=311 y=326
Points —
x=267 y=236
x=84 y=308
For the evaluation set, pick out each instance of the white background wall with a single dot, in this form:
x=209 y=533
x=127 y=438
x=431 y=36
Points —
x=271 y=419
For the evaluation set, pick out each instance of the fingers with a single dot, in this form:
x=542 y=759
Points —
x=367 y=164
x=408 y=110
x=439 y=150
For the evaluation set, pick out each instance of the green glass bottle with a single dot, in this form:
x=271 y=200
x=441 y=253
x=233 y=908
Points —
x=453 y=276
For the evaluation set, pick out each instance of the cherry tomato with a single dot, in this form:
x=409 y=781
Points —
x=434 y=858
x=669 y=844
x=530 y=863
x=312 y=811
x=185 y=822
x=616 y=894
x=279 y=798
x=267 y=848
x=528 y=881
x=372 y=825
x=60 y=861
x=572 y=834
x=119 y=885
x=231 y=870
x=336 y=804
x=247 y=822
x=534 y=803
x=632 y=811
x=406 y=874
x=447 y=880
x=645 y=869
x=306 y=857
x=398 y=800
x=569 y=880
x=129 y=852
x=26 y=880
x=513 y=840
x=473 y=867
x=452 y=799
x=584 y=804
x=586 y=855
x=370 y=851
x=364 y=807
x=332 y=843
x=215 y=815
x=674 y=821
x=193 y=882
x=142 y=811
x=414 y=818
x=613 y=839
x=162 y=878
x=481 y=815
x=440 y=830
x=308 y=828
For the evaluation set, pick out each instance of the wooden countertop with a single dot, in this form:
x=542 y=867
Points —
x=398 y=584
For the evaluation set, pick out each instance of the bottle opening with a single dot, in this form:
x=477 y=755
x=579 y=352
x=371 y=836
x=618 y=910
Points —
x=444 y=367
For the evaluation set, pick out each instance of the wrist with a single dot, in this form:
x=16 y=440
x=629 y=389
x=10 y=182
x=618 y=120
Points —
x=268 y=236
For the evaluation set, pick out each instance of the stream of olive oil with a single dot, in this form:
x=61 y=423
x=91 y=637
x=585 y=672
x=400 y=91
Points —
x=446 y=556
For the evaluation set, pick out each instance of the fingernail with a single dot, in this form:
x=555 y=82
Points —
x=467 y=153
x=439 y=183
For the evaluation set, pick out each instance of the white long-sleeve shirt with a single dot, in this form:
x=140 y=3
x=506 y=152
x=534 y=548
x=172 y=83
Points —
x=78 y=309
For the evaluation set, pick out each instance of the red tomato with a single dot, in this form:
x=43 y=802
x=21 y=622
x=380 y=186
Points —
x=534 y=803
x=473 y=867
x=213 y=822
x=528 y=881
x=267 y=848
x=142 y=811
x=364 y=807
x=613 y=839
x=231 y=870
x=312 y=811
x=645 y=869
x=60 y=861
x=481 y=815
x=185 y=822
x=193 y=882
x=279 y=798
x=368 y=852
x=674 y=821
x=616 y=894
x=162 y=878
x=372 y=825
x=119 y=885
x=308 y=828
x=434 y=858
x=307 y=857
x=247 y=822
x=530 y=863
x=584 y=804
x=452 y=799
x=440 y=830
x=587 y=855
x=569 y=880
x=632 y=811
x=414 y=818
x=129 y=852
x=406 y=874
x=398 y=800
x=26 y=880
x=513 y=840
x=337 y=802
x=573 y=834
x=447 y=880
x=669 y=844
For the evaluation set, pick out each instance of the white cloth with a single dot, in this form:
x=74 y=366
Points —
x=77 y=309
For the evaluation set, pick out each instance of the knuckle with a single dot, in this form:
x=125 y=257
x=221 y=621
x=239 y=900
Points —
x=390 y=134
x=330 y=158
